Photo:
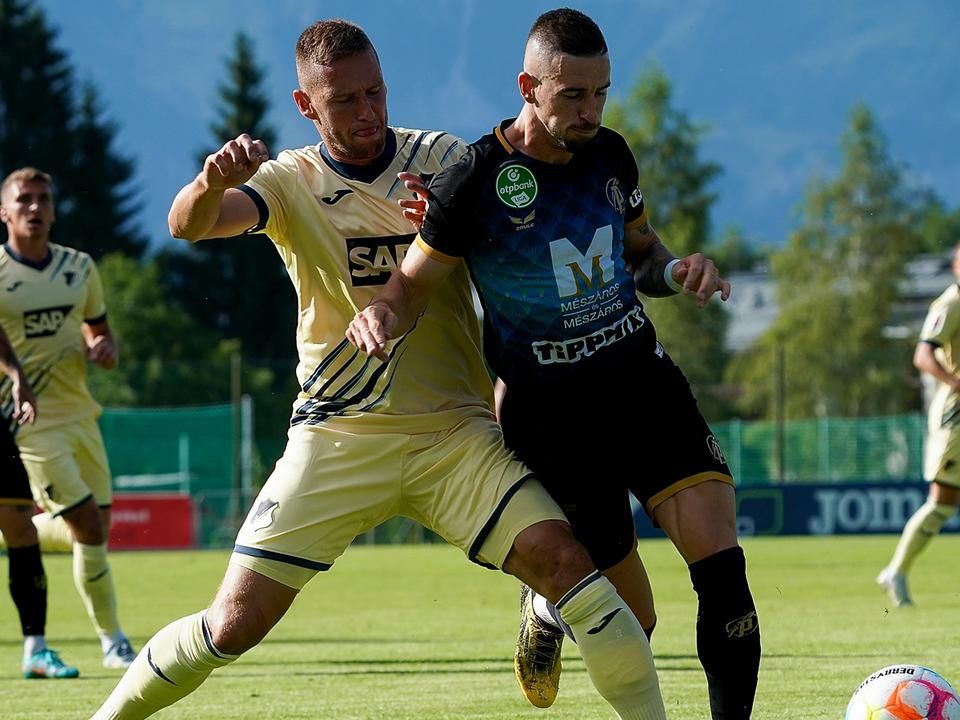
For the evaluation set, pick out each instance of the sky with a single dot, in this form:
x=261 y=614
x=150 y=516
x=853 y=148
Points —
x=773 y=83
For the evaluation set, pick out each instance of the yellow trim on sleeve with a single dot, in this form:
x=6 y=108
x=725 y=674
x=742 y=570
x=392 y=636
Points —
x=435 y=254
x=636 y=221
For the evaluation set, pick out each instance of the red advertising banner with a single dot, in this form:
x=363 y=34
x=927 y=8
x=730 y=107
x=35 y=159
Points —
x=152 y=520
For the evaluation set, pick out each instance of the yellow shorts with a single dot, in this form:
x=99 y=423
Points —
x=331 y=486
x=941 y=453
x=66 y=464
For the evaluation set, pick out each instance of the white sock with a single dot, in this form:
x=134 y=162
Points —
x=32 y=644
x=541 y=608
x=171 y=665
x=94 y=582
x=920 y=529
x=614 y=648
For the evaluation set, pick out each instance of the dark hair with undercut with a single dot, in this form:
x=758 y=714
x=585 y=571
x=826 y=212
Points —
x=570 y=32
x=327 y=41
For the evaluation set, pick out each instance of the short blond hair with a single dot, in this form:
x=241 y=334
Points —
x=25 y=174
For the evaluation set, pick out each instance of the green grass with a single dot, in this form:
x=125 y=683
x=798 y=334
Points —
x=418 y=633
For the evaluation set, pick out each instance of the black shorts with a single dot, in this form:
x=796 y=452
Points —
x=14 y=483
x=626 y=431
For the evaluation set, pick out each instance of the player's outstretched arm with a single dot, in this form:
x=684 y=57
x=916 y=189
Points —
x=393 y=311
x=658 y=273
x=209 y=206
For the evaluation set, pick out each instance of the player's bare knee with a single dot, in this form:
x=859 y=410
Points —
x=551 y=558
x=235 y=627
x=86 y=524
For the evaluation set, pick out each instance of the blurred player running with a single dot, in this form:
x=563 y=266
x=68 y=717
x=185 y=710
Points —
x=937 y=355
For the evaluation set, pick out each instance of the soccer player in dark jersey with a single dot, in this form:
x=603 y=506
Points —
x=415 y=437
x=28 y=581
x=547 y=214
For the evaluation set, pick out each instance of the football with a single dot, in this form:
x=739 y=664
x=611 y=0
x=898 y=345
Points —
x=904 y=692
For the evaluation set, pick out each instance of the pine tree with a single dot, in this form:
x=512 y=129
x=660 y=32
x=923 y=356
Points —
x=239 y=286
x=41 y=125
x=103 y=219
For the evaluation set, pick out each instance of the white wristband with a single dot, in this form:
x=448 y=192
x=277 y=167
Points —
x=668 y=276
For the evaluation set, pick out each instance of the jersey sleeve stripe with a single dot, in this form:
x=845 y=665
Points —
x=433 y=144
x=453 y=146
x=59 y=267
x=96 y=320
x=413 y=156
x=263 y=211
x=436 y=254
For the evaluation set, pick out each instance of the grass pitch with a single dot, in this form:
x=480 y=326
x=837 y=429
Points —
x=418 y=633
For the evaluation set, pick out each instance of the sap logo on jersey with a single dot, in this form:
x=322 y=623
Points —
x=45 y=321
x=372 y=259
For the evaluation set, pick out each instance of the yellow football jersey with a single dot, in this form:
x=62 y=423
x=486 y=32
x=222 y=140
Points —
x=340 y=234
x=942 y=328
x=42 y=308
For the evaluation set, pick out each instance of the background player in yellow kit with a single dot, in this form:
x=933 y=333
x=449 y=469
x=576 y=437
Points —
x=53 y=311
x=27 y=579
x=936 y=355
x=368 y=441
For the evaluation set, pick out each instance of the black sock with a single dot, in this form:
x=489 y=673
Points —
x=28 y=588
x=728 y=633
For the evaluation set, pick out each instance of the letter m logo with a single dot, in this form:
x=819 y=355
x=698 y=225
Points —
x=578 y=273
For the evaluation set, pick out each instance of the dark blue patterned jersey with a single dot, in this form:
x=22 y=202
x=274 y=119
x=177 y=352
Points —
x=544 y=246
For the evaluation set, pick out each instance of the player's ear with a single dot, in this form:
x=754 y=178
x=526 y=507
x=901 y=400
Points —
x=304 y=105
x=527 y=84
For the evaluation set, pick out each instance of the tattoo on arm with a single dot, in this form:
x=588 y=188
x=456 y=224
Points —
x=648 y=267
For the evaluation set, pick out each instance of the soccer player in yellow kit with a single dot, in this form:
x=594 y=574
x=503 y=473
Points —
x=369 y=441
x=27 y=579
x=938 y=355
x=52 y=309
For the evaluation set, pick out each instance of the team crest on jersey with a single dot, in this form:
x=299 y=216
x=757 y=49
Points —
x=516 y=187
x=372 y=259
x=615 y=195
x=45 y=321
x=714 y=447
x=262 y=515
